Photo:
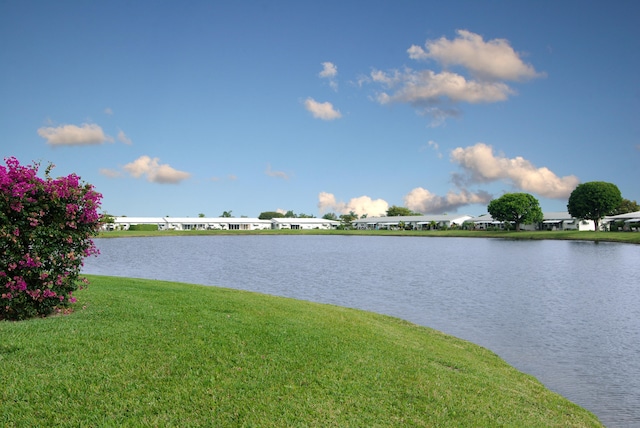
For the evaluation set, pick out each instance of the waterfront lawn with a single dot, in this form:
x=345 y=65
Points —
x=626 y=237
x=154 y=353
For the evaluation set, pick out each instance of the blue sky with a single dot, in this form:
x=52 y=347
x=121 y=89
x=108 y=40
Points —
x=180 y=108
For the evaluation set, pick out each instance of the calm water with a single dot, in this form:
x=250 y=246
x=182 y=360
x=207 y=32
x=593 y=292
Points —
x=566 y=312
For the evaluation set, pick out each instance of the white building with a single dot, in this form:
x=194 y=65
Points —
x=631 y=220
x=550 y=221
x=418 y=222
x=303 y=223
x=221 y=223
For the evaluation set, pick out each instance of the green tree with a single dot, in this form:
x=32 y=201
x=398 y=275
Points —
x=268 y=215
x=201 y=215
x=330 y=216
x=626 y=206
x=594 y=200
x=346 y=219
x=519 y=208
x=395 y=211
x=290 y=214
x=226 y=214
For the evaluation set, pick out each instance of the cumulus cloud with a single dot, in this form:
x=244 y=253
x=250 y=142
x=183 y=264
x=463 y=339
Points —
x=72 y=135
x=154 y=171
x=122 y=137
x=423 y=201
x=491 y=60
x=481 y=165
x=329 y=71
x=361 y=205
x=324 y=111
x=487 y=65
x=277 y=174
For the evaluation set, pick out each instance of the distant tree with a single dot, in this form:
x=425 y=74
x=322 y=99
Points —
x=519 y=208
x=346 y=219
x=268 y=215
x=290 y=214
x=364 y=215
x=302 y=215
x=330 y=216
x=107 y=219
x=226 y=214
x=594 y=200
x=626 y=206
x=395 y=211
x=201 y=215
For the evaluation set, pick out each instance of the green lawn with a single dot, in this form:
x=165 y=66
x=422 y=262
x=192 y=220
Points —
x=628 y=237
x=154 y=353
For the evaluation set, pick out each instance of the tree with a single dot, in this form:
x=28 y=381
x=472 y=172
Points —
x=330 y=216
x=517 y=208
x=201 y=215
x=626 y=206
x=226 y=214
x=395 y=211
x=346 y=219
x=268 y=215
x=594 y=200
x=290 y=214
x=46 y=226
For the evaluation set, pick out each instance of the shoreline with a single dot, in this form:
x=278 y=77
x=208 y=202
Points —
x=616 y=237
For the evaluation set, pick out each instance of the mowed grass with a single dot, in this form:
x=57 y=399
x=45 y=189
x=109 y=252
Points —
x=624 y=237
x=153 y=353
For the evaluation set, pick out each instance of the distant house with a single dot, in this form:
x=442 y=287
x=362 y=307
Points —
x=631 y=221
x=303 y=223
x=418 y=222
x=550 y=221
x=191 y=223
x=221 y=223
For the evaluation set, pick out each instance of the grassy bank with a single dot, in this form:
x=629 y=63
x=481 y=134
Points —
x=153 y=353
x=628 y=237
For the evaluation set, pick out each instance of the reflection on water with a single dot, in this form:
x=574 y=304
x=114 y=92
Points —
x=565 y=312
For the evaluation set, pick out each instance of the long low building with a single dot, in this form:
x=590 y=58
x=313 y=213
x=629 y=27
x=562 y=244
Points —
x=220 y=223
x=415 y=222
x=550 y=221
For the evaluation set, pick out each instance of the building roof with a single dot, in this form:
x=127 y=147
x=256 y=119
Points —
x=304 y=220
x=425 y=219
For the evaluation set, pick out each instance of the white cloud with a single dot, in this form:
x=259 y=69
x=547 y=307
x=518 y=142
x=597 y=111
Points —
x=428 y=88
x=72 y=135
x=491 y=60
x=324 y=111
x=484 y=69
x=108 y=111
x=329 y=70
x=154 y=171
x=434 y=146
x=481 y=166
x=360 y=205
x=122 y=137
x=423 y=201
x=276 y=174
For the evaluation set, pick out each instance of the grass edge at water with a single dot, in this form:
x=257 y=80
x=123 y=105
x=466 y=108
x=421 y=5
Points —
x=157 y=353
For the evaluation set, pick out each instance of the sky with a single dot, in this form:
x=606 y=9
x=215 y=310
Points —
x=173 y=108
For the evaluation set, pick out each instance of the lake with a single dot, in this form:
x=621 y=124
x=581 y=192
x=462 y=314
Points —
x=566 y=312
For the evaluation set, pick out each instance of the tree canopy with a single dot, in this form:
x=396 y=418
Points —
x=594 y=200
x=626 y=206
x=394 y=211
x=519 y=208
x=268 y=215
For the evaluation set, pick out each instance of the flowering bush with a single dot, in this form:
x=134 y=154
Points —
x=46 y=226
